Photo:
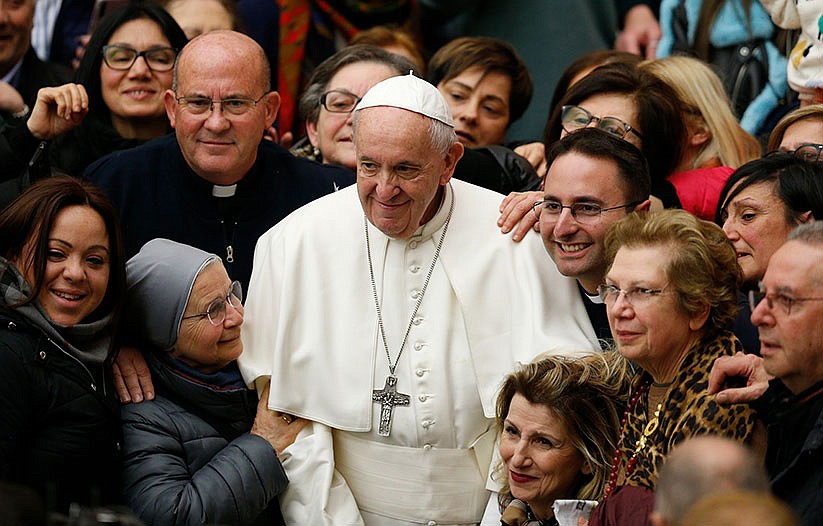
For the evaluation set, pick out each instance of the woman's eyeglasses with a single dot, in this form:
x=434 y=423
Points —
x=574 y=118
x=122 y=58
x=216 y=311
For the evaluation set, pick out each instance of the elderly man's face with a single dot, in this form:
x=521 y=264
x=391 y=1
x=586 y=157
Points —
x=791 y=343
x=218 y=145
x=399 y=173
x=16 y=21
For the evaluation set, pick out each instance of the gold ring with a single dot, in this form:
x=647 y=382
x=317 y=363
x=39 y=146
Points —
x=287 y=418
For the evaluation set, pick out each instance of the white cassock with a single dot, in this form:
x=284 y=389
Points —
x=311 y=323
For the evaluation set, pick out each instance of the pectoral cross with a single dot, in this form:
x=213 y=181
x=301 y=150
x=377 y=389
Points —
x=388 y=397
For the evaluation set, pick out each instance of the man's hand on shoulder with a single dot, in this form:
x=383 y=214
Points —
x=516 y=214
x=747 y=369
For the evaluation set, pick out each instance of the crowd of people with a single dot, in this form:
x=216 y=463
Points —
x=253 y=275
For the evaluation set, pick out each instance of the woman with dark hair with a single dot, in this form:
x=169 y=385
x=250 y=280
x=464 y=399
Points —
x=115 y=103
x=759 y=205
x=62 y=281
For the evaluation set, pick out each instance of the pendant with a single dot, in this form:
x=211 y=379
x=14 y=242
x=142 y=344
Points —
x=388 y=397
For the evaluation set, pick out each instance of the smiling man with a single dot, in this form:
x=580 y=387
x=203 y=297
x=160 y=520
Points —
x=388 y=314
x=593 y=180
x=215 y=183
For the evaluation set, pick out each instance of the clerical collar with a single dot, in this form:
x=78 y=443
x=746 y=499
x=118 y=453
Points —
x=224 y=191
x=596 y=299
x=436 y=223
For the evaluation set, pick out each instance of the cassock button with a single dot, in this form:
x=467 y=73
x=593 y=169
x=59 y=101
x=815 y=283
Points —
x=417 y=320
x=420 y=372
x=426 y=424
x=414 y=268
x=422 y=398
x=413 y=244
x=427 y=447
x=418 y=346
x=431 y=523
x=415 y=294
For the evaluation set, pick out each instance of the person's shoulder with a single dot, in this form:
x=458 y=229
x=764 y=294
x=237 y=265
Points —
x=124 y=163
x=308 y=171
x=159 y=411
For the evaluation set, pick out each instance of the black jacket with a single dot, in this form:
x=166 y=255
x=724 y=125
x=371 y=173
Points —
x=189 y=458
x=59 y=428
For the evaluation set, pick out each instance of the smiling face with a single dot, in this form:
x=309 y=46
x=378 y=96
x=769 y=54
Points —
x=792 y=344
x=331 y=134
x=77 y=266
x=654 y=332
x=399 y=180
x=218 y=146
x=206 y=347
x=480 y=105
x=136 y=93
x=756 y=225
x=16 y=22
x=541 y=463
x=577 y=248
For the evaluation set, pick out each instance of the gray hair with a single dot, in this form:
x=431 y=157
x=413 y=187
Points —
x=323 y=73
x=441 y=135
x=810 y=233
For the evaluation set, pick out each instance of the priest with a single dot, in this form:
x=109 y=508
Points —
x=387 y=315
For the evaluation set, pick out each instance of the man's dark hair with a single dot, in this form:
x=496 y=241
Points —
x=597 y=144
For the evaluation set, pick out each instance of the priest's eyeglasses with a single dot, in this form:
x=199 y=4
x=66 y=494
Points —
x=122 y=58
x=216 y=311
x=574 y=118
x=784 y=301
x=585 y=213
x=805 y=152
x=199 y=105
x=339 y=101
x=635 y=296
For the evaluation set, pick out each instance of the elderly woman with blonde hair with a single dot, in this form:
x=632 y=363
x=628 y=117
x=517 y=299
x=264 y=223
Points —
x=671 y=297
x=558 y=418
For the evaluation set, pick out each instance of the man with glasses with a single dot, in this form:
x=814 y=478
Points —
x=787 y=310
x=593 y=180
x=214 y=183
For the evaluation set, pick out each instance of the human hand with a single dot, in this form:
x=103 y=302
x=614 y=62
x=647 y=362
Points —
x=58 y=110
x=516 y=214
x=280 y=429
x=641 y=32
x=132 y=378
x=10 y=99
x=535 y=153
x=80 y=50
x=286 y=140
x=743 y=366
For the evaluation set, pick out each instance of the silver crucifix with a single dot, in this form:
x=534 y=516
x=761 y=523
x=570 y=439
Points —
x=388 y=397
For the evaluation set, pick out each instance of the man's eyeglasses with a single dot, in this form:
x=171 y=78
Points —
x=635 y=296
x=198 y=105
x=216 y=311
x=574 y=117
x=806 y=152
x=122 y=58
x=550 y=210
x=339 y=101
x=777 y=298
